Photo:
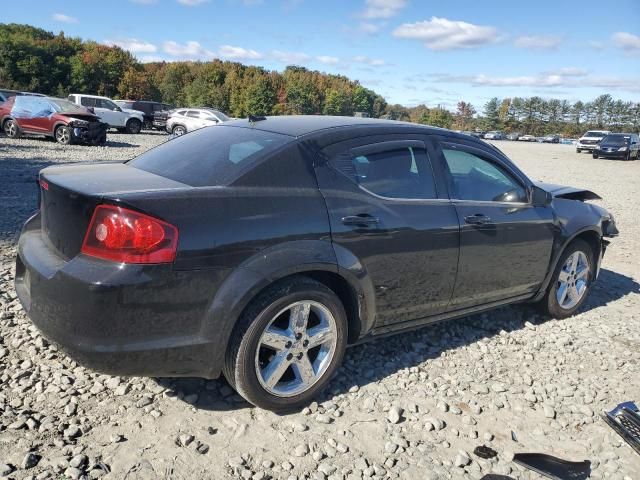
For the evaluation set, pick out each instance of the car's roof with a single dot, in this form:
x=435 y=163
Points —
x=301 y=125
x=90 y=96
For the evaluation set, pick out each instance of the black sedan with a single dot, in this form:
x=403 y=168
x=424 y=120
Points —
x=624 y=146
x=261 y=249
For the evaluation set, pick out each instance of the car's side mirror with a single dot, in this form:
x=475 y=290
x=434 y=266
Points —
x=117 y=109
x=540 y=197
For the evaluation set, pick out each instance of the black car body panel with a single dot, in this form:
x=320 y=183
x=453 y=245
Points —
x=396 y=263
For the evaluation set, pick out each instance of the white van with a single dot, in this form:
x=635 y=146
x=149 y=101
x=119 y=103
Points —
x=124 y=119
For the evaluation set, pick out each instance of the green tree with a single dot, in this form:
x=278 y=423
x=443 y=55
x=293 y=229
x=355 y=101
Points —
x=336 y=103
x=492 y=114
x=260 y=97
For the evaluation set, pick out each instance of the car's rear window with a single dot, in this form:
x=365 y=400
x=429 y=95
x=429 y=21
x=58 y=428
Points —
x=211 y=156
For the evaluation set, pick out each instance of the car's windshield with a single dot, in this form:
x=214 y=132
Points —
x=214 y=156
x=594 y=134
x=61 y=105
x=616 y=139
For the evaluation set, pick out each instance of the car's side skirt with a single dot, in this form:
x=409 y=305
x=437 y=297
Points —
x=422 y=322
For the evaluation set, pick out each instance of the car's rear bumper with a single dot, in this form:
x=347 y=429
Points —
x=116 y=318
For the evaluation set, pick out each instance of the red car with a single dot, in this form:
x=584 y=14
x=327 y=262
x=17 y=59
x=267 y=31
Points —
x=53 y=117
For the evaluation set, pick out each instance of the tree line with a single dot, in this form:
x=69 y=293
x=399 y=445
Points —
x=34 y=59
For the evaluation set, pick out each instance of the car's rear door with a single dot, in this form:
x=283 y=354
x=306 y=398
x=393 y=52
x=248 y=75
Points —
x=389 y=211
x=505 y=241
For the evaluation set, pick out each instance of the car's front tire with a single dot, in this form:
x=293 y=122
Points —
x=578 y=150
x=134 y=126
x=11 y=129
x=594 y=155
x=571 y=281
x=287 y=344
x=63 y=135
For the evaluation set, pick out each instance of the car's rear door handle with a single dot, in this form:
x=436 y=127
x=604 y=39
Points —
x=477 y=219
x=362 y=220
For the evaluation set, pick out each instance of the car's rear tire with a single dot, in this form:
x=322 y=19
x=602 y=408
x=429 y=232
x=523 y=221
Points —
x=63 y=135
x=272 y=360
x=571 y=281
x=11 y=128
x=179 y=130
x=594 y=155
x=134 y=126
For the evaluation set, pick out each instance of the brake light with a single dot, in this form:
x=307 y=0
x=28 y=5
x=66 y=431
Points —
x=126 y=236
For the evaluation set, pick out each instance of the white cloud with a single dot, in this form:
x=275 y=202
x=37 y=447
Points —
x=444 y=34
x=133 y=45
x=569 y=72
x=61 y=17
x=626 y=41
x=190 y=50
x=290 y=57
x=192 y=3
x=238 y=53
x=571 y=78
x=373 y=62
x=369 y=28
x=382 y=8
x=150 y=58
x=539 y=42
x=327 y=60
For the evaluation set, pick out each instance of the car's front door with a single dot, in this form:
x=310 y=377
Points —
x=505 y=241
x=388 y=209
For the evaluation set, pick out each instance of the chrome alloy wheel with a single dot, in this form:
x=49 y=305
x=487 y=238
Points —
x=573 y=280
x=296 y=348
x=11 y=129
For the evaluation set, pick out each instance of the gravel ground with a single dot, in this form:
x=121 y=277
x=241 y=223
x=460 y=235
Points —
x=412 y=406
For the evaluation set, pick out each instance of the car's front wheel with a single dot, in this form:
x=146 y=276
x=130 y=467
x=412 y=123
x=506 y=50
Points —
x=287 y=344
x=594 y=155
x=11 y=129
x=134 y=126
x=578 y=150
x=63 y=135
x=571 y=281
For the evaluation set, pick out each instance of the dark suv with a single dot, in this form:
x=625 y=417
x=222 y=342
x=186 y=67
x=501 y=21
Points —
x=260 y=249
x=155 y=113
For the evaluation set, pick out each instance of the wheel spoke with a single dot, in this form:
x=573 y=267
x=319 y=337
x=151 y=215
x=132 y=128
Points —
x=299 y=316
x=275 y=338
x=564 y=276
x=274 y=371
x=583 y=273
x=574 y=294
x=574 y=261
x=562 y=293
x=304 y=369
x=319 y=335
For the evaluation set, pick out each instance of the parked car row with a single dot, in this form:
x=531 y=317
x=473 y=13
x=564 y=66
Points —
x=52 y=117
x=63 y=119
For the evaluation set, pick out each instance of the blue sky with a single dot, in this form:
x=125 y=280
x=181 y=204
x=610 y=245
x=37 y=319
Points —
x=410 y=51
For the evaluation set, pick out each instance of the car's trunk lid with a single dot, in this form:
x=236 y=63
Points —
x=69 y=194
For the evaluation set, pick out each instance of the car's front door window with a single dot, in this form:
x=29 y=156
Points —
x=476 y=178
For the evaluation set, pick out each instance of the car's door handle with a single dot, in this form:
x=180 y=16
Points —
x=362 y=219
x=477 y=219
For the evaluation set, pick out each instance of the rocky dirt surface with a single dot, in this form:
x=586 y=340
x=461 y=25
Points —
x=413 y=406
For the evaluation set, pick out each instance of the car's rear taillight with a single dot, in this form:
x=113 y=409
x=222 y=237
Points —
x=126 y=236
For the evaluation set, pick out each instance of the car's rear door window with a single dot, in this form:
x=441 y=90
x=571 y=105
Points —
x=475 y=177
x=210 y=156
x=401 y=172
